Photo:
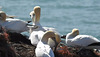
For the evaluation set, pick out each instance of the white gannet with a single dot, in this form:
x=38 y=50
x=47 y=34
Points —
x=13 y=25
x=86 y=41
x=10 y=16
x=35 y=16
x=7 y=16
x=35 y=35
x=46 y=44
x=36 y=30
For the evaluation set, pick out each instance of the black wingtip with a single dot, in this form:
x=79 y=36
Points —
x=63 y=36
x=95 y=44
x=29 y=21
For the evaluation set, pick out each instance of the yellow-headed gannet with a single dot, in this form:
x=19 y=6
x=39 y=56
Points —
x=84 y=41
x=46 y=44
x=36 y=30
x=13 y=25
x=35 y=16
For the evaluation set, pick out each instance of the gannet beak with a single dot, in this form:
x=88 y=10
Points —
x=37 y=11
x=8 y=16
x=51 y=42
x=63 y=36
x=2 y=16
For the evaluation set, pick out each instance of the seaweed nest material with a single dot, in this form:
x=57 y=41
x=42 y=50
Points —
x=20 y=46
x=64 y=51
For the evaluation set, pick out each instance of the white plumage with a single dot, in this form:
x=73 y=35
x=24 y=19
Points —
x=47 y=44
x=43 y=50
x=35 y=37
x=36 y=30
x=75 y=40
x=13 y=25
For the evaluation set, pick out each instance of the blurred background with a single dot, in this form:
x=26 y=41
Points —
x=64 y=15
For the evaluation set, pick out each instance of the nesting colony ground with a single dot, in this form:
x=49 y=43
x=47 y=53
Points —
x=23 y=48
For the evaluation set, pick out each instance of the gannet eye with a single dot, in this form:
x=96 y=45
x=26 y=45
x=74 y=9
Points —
x=33 y=14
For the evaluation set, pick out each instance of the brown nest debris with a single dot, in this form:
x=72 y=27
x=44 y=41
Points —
x=5 y=49
x=22 y=45
x=15 y=45
x=64 y=51
x=18 y=45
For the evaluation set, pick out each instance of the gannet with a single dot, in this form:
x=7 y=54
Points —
x=7 y=16
x=35 y=16
x=85 y=41
x=36 y=30
x=36 y=34
x=46 y=44
x=13 y=25
x=10 y=16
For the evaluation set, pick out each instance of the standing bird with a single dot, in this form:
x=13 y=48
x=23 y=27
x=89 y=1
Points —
x=47 y=44
x=35 y=16
x=37 y=30
x=84 y=41
x=13 y=25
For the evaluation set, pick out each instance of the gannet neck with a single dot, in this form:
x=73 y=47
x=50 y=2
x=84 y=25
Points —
x=51 y=38
x=37 y=24
x=58 y=39
x=51 y=42
x=37 y=11
x=2 y=16
x=70 y=36
x=32 y=14
x=47 y=35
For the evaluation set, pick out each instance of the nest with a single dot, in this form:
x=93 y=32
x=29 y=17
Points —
x=22 y=47
x=64 y=51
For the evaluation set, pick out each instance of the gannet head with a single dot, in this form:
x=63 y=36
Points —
x=37 y=12
x=32 y=15
x=35 y=16
x=58 y=39
x=75 y=32
x=51 y=38
x=2 y=16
